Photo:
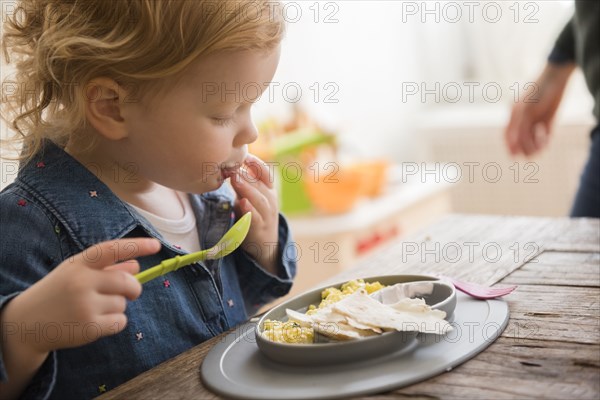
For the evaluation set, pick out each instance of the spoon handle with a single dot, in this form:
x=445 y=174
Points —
x=228 y=243
x=156 y=271
x=169 y=265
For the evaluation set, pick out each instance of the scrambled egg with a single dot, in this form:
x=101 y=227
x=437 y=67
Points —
x=287 y=332
x=292 y=332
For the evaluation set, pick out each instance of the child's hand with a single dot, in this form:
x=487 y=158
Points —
x=84 y=298
x=254 y=188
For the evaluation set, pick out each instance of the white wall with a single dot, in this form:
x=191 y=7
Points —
x=366 y=54
x=377 y=49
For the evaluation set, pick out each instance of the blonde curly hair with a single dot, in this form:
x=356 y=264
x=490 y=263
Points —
x=58 y=46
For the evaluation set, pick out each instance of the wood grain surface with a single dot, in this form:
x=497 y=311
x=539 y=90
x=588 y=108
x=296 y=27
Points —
x=550 y=349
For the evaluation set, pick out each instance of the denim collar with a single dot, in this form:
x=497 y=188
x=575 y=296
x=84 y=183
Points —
x=87 y=208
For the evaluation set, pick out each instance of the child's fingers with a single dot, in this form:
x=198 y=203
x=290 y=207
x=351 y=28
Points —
x=111 y=324
x=259 y=170
x=119 y=283
x=131 y=267
x=245 y=178
x=239 y=206
x=111 y=304
x=243 y=206
x=241 y=180
x=245 y=190
x=108 y=253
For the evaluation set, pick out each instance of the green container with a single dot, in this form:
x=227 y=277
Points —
x=293 y=198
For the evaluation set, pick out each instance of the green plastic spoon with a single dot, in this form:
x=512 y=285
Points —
x=230 y=241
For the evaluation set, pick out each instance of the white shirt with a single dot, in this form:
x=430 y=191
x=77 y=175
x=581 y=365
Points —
x=181 y=232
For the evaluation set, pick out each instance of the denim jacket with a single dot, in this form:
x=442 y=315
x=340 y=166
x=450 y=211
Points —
x=57 y=208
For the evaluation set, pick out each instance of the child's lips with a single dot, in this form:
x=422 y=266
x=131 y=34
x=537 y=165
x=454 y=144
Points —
x=229 y=171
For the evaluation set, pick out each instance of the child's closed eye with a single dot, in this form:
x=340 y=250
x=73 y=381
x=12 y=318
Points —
x=222 y=121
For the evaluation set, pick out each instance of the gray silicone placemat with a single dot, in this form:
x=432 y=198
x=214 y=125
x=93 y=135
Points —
x=236 y=368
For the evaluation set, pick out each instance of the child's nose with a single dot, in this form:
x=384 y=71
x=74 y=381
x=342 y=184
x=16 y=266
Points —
x=248 y=134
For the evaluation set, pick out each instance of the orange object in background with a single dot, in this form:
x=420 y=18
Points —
x=373 y=175
x=334 y=193
x=337 y=193
x=302 y=142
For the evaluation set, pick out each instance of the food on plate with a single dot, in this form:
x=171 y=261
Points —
x=358 y=310
x=405 y=315
x=299 y=328
x=332 y=294
x=288 y=332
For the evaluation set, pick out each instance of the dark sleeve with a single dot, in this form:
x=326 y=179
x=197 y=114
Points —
x=260 y=285
x=28 y=251
x=563 y=51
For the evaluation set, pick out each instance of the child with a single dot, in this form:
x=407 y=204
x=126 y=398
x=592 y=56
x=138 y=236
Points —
x=141 y=114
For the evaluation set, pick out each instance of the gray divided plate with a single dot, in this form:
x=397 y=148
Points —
x=236 y=368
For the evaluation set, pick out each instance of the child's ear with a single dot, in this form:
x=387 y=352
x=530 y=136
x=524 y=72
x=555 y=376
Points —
x=103 y=107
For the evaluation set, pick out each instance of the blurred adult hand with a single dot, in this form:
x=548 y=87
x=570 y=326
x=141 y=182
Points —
x=532 y=117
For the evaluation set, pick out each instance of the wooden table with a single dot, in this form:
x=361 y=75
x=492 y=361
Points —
x=551 y=347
